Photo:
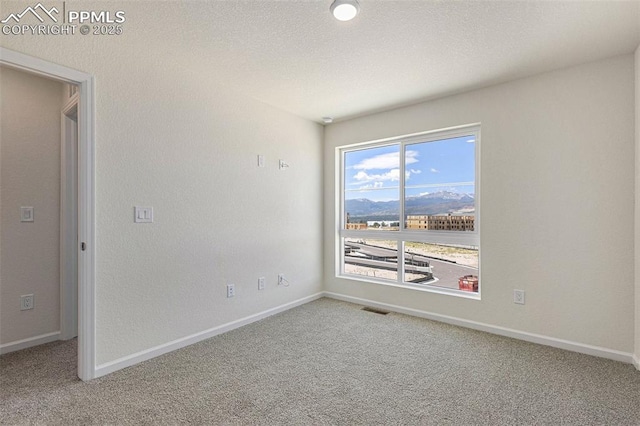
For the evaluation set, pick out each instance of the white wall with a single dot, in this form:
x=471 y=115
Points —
x=30 y=176
x=168 y=136
x=557 y=185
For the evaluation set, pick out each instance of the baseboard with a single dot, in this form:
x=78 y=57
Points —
x=145 y=355
x=493 y=329
x=27 y=343
x=636 y=362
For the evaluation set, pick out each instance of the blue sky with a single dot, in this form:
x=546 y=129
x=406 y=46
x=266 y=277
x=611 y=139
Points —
x=444 y=165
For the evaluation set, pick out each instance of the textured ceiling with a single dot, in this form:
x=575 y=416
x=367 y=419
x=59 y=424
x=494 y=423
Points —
x=294 y=55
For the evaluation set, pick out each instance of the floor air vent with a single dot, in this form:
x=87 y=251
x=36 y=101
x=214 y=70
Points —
x=375 y=310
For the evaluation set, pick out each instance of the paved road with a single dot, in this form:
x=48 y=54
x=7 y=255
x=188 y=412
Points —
x=447 y=273
x=382 y=253
x=373 y=251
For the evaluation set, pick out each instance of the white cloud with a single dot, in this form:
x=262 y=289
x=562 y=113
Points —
x=374 y=185
x=364 y=177
x=361 y=176
x=410 y=157
x=391 y=176
x=386 y=161
x=470 y=140
x=432 y=170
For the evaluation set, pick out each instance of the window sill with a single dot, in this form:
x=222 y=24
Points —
x=424 y=288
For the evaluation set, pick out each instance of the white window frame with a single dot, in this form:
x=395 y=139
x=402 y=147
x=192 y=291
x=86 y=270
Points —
x=470 y=238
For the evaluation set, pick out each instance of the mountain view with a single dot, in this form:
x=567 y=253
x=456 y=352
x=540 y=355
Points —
x=442 y=202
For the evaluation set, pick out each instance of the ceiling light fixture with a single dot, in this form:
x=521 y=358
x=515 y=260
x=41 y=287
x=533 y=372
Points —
x=327 y=120
x=345 y=10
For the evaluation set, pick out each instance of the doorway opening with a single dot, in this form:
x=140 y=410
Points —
x=80 y=235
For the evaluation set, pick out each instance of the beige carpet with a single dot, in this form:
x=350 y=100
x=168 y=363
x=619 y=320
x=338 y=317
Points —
x=329 y=362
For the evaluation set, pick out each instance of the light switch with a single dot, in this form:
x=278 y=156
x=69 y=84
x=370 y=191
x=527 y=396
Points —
x=143 y=214
x=260 y=160
x=26 y=214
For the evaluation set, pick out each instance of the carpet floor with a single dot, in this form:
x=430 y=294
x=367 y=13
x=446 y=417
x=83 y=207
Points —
x=329 y=363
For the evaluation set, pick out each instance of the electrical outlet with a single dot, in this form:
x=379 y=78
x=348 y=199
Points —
x=26 y=214
x=261 y=283
x=231 y=290
x=518 y=297
x=26 y=302
x=281 y=279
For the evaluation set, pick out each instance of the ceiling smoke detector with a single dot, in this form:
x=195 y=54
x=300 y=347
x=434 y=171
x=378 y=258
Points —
x=327 y=120
x=344 y=10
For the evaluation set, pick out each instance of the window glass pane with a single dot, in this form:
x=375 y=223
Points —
x=440 y=185
x=371 y=188
x=449 y=266
x=371 y=258
x=432 y=181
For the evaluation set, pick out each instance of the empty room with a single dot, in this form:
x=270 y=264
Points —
x=320 y=212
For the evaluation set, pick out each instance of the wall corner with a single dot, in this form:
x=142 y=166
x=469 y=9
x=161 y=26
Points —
x=637 y=210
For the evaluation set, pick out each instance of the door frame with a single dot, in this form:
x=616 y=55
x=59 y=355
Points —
x=86 y=196
x=69 y=219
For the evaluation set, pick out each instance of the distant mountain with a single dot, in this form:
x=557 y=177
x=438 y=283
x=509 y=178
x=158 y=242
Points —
x=442 y=202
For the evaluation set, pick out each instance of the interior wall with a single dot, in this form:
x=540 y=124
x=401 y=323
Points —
x=557 y=187
x=170 y=137
x=30 y=176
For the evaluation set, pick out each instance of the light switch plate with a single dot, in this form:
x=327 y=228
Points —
x=143 y=214
x=26 y=214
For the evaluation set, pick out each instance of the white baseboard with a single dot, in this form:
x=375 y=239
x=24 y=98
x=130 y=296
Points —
x=636 y=362
x=502 y=331
x=27 y=343
x=145 y=355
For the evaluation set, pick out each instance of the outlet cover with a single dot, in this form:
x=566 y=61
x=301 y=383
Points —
x=518 y=297
x=26 y=214
x=231 y=290
x=143 y=214
x=261 y=283
x=26 y=302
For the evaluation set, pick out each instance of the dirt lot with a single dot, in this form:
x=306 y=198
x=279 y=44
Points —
x=462 y=256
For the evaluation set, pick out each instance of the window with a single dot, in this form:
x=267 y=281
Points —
x=410 y=209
